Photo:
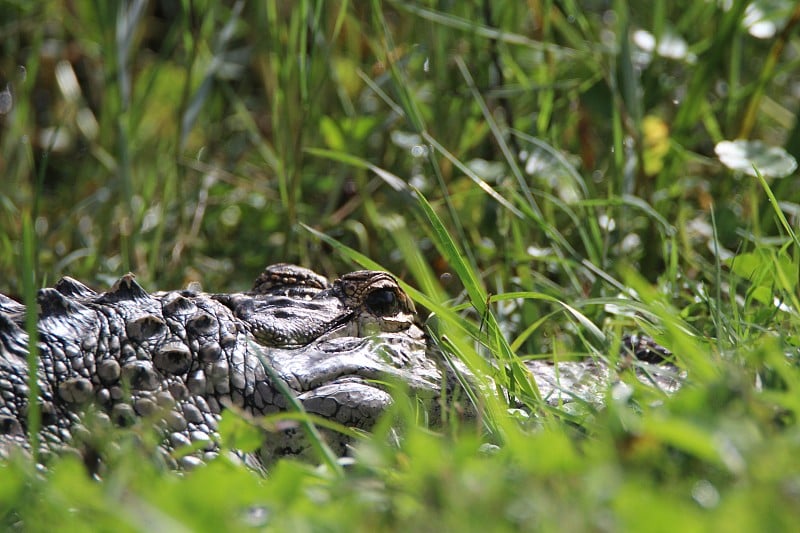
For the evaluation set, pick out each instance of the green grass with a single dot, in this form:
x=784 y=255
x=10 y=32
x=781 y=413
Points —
x=204 y=140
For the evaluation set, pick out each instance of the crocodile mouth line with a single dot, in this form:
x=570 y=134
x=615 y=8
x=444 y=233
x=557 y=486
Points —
x=324 y=379
x=367 y=377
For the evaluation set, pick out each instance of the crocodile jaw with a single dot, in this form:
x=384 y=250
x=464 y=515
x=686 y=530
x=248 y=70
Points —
x=348 y=378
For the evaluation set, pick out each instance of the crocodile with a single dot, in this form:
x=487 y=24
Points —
x=182 y=357
x=179 y=358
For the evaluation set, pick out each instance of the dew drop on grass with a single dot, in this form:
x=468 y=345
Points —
x=644 y=40
x=621 y=392
x=6 y=100
x=672 y=46
x=607 y=223
x=230 y=215
x=762 y=18
x=55 y=139
x=67 y=81
x=705 y=494
x=41 y=226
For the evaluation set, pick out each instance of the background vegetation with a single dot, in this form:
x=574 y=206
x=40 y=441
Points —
x=547 y=174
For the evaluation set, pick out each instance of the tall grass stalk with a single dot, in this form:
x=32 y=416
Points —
x=29 y=288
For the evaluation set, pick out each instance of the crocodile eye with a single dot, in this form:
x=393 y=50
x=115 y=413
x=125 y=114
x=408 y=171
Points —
x=383 y=302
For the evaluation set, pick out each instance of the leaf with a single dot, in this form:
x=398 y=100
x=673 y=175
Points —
x=331 y=133
x=763 y=18
x=764 y=267
x=742 y=156
x=238 y=433
x=656 y=144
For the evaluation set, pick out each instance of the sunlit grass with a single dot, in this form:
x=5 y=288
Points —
x=540 y=176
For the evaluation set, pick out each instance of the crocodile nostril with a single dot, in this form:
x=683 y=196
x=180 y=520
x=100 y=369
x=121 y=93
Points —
x=383 y=302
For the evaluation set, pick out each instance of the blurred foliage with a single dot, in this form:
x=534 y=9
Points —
x=172 y=138
x=543 y=172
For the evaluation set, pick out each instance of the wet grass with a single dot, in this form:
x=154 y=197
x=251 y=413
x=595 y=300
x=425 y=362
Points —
x=541 y=175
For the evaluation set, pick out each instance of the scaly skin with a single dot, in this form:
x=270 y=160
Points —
x=181 y=357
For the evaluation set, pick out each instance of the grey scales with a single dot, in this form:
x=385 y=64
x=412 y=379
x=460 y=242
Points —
x=179 y=358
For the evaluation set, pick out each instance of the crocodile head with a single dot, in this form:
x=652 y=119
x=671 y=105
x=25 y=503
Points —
x=180 y=357
x=340 y=347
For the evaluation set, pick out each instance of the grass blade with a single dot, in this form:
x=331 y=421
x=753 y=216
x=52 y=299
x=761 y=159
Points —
x=322 y=450
x=31 y=319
